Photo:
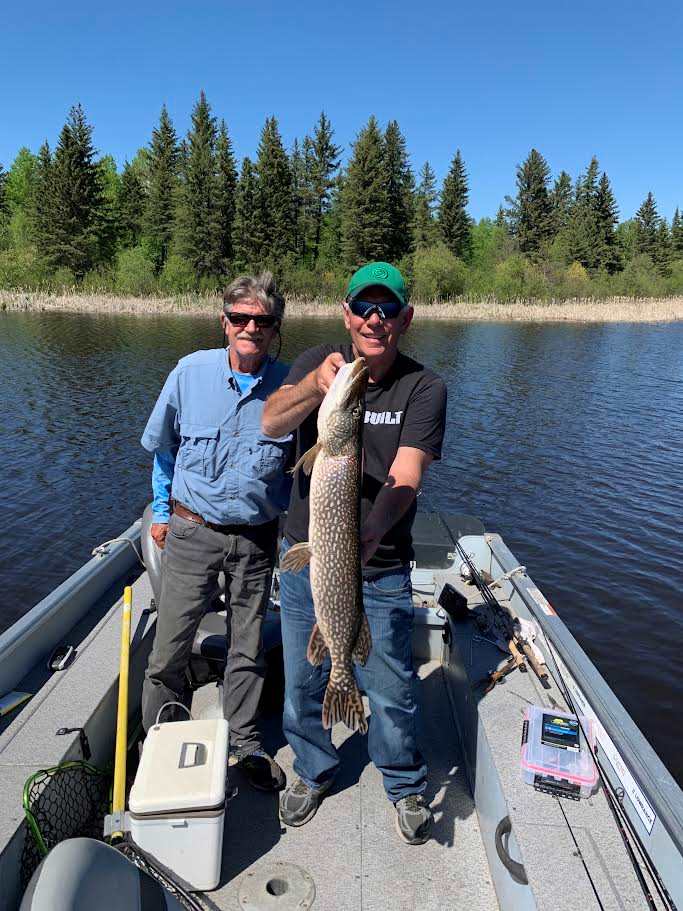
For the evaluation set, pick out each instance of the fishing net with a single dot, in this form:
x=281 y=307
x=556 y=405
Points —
x=69 y=800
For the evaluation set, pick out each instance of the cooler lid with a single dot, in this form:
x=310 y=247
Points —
x=183 y=767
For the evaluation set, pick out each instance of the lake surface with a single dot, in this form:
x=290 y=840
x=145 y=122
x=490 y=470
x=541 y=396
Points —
x=565 y=439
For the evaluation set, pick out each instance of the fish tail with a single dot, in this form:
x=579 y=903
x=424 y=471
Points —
x=343 y=702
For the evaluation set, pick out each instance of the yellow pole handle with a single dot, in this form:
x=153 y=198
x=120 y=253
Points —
x=119 y=797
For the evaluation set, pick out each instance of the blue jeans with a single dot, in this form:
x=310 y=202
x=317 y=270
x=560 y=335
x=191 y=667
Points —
x=388 y=679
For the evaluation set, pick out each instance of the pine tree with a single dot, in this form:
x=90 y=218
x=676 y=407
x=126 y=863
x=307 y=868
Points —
x=247 y=236
x=130 y=207
x=530 y=212
x=275 y=194
x=159 y=216
x=677 y=235
x=425 y=227
x=226 y=195
x=322 y=159
x=562 y=201
x=297 y=164
x=41 y=206
x=198 y=229
x=647 y=227
x=607 y=218
x=664 y=248
x=73 y=238
x=107 y=216
x=331 y=248
x=400 y=191
x=454 y=222
x=365 y=206
x=4 y=210
x=585 y=230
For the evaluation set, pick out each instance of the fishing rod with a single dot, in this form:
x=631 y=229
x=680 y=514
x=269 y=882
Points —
x=622 y=821
x=519 y=646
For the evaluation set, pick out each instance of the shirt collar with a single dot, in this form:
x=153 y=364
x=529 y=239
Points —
x=260 y=373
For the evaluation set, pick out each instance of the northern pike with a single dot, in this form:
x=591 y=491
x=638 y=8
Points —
x=333 y=546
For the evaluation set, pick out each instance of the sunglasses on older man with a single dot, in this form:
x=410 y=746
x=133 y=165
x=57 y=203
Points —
x=365 y=309
x=261 y=321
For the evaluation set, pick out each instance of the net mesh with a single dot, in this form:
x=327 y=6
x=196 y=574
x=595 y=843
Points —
x=71 y=800
x=67 y=801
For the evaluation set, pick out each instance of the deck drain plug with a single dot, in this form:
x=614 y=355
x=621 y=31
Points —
x=277 y=886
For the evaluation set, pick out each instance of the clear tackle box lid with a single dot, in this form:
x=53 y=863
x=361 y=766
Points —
x=554 y=746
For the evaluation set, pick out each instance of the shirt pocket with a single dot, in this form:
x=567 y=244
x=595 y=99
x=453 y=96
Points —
x=272 y=455
x=198 y=449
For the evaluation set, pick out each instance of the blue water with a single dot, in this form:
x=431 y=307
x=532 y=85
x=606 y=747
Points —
x=565 y=439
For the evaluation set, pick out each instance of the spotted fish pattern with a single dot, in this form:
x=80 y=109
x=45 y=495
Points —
x=333 y=548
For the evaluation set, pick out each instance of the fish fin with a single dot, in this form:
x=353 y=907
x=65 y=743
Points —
x=361 y=649
x=298 y=556
x=344 y=704
x=317 y=647
x=308 y=458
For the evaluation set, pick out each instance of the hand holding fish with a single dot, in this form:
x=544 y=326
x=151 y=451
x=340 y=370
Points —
x=326 y=372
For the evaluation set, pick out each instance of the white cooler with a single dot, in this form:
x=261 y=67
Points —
x=177 y=802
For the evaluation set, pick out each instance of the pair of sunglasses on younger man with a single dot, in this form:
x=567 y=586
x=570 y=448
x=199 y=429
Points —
x=364 y=309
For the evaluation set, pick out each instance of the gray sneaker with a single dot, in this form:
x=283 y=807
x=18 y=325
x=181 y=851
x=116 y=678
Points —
x=299 y=803
x=413 y=819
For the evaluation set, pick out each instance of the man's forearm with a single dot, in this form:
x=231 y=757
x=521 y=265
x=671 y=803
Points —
x=391 y=504
x=289 y=406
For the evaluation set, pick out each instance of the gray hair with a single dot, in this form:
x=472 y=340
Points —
x=252 y=287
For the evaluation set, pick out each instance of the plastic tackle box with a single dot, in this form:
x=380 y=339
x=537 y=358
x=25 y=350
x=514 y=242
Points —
x=555 y=756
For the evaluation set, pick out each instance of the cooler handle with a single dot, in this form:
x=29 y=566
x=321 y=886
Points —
x=192 y=755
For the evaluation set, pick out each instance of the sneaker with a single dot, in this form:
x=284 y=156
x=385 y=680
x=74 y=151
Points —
x=299 y=803
x=261 y=770
x=413 y=819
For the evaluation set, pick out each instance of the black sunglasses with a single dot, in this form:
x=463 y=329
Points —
x=365 y=309
x=261 y=321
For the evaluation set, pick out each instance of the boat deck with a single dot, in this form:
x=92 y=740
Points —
x=351 y=848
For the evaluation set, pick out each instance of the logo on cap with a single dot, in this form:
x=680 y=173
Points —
x=380 y=272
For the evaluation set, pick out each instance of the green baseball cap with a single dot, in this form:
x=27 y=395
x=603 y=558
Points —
x=383 y=274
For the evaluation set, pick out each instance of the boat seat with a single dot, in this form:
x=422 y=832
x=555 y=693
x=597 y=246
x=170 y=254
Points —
x=212 y=639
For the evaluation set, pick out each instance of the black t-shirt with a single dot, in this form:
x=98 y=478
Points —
x=407 y=408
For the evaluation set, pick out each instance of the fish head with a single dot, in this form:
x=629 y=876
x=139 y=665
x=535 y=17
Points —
x=341 y=411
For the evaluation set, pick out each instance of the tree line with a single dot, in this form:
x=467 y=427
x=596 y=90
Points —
x=183 y=216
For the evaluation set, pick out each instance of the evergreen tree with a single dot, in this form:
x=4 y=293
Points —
x=647 y=228
x=159 y=216
x=607 y=217
x=400 y=190
x=455 y=223
x=562 y=201
x=531 y=211
x=4 y=210
x=41 y=205
x=247 y=237
x=276 y=195
x=297 y=163
x=130 y=207
x=107 y=215
x=331 y=248
x=585 y=230
x=73 y=237
x=198 y=228
x=425 y=227
x=322 y=158
x=226 y=193
x=664 y=248
x=677 y=235
x=365 y=206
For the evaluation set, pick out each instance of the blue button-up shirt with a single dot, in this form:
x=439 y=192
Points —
x=206 y=434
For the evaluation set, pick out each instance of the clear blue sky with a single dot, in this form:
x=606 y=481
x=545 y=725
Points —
x=495 y=79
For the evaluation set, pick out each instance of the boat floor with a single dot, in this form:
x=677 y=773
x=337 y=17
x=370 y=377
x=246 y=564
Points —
x=351 y=847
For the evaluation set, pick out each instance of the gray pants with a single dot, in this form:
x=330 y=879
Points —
x=194 y=556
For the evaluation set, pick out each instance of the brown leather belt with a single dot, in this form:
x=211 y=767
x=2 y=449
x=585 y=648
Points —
x=186 y=513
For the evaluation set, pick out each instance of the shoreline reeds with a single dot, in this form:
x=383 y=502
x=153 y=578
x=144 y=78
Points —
x=579 y=310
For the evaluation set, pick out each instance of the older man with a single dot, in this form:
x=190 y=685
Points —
x=404 y=426
x=219 y=486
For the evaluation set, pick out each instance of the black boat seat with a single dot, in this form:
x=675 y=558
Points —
x=212 y=639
